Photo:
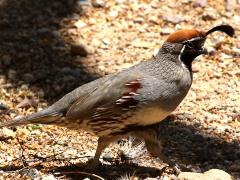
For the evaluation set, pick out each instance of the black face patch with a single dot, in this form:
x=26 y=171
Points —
x=190 y=50
x=195 y=43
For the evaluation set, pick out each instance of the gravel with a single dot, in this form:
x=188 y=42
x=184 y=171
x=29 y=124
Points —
x=35 y=50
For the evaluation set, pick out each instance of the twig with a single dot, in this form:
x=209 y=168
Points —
x=23 y=158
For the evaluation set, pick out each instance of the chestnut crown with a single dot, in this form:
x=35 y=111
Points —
x=189 y=43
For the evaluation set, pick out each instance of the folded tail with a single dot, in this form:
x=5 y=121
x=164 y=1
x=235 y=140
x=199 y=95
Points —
x=43 y=117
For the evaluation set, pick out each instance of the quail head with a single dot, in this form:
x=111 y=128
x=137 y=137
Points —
x=116 y=105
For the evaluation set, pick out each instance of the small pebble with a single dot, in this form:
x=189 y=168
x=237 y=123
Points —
x=6 y=134
x=29 y=78
x=98 y=3
x=78 y=49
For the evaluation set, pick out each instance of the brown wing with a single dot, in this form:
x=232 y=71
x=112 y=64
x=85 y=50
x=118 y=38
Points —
x=108 y=102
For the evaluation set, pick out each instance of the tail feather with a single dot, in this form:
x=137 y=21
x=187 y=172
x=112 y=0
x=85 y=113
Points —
x=42 y=117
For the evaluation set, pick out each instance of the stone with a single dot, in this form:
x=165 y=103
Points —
x=210 y=14
x=27 y=77
x=83 y=2
x=108 y=156
x=235 y=167
x=78 y=49
x=98 y=3
x=173 y=19
x=3 y=106
x=68 y=78
x=80 y=24
x=12 y=74
x=211 y=174
x=6 y=59
x=56 y=34
x=6 y=134
x=27 y=103
x=48 y=177
x=200 y=3
x=217 y=174
x=230 y=5
x=2 y=79
x=166 y=31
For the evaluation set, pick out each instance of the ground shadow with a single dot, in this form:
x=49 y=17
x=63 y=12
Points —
x=190 y=145
x=109 y=171
x=102 y=171
x=187 y=145
x=33 y=50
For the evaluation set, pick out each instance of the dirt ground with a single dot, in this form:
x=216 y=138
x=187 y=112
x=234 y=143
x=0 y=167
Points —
x=42 y=57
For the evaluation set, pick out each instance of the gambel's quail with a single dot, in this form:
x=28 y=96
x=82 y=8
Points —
x=116 y=105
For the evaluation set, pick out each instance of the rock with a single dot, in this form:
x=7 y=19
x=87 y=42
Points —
x=108 y=156
x=195 y=68
x=66 y=70
x=27 y=77
x=211 y=174
x=48 y=177
x=138 y=20
x=80 y=24
x=190 y=176
x=236 y=116
x=200 y=3
x=58 y=88
x=12 y=74
x=41 y=74
x=153 y=19
x=6 y=134
x=32 y=173
x=172 y=19
x=83 y=2
x=56 y=34
x=3 y=106
x=68 y=78
x=43 y=30
x=27 y=103
x=98 y=3
x=230 y=5
x=211 y=51
x=76 y=72
x=166 y=31
x=235 y=167
x=2 y=79
x=141 y=44
x=210 y=14
x=78 y=49
x=217 y=174
x=121 y=1
x=6 y=59
x=113 y=13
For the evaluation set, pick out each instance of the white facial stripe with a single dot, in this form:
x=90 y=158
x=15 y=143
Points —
x=179 y=57
x=181 y=52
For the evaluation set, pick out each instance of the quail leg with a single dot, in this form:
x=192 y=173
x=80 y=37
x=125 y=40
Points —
x=155 y=148
x=103 y=142
x=154 y=145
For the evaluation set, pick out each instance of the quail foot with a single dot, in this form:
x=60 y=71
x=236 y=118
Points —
x=113 y=106
x=151 y=135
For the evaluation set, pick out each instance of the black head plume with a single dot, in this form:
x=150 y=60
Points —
x=223 y=28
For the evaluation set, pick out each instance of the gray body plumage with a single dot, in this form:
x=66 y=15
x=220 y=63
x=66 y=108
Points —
x=93 y=107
